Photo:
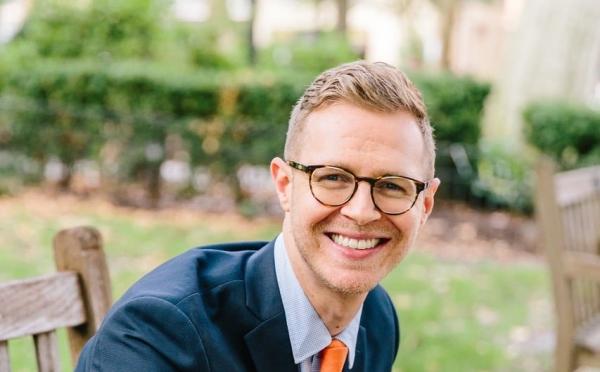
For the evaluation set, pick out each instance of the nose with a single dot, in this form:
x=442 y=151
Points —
x=360 y=207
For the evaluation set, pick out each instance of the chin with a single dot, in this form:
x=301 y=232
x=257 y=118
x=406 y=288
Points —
x=350 y=283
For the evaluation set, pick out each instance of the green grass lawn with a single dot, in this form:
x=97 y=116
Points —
x=454 y=316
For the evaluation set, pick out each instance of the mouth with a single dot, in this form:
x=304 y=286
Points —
x=356 y=243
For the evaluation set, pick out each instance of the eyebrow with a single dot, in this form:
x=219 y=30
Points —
x=379 y=174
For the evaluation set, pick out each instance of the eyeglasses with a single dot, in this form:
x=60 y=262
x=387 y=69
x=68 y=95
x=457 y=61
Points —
x=335 y=186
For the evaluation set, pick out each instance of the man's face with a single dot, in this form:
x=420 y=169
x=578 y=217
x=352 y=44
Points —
x=319 y=238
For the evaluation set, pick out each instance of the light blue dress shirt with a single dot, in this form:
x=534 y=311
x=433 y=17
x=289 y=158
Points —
x=308 y=333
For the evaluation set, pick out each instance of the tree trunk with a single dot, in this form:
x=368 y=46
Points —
x=448 y=13
x=251 y=45
x=153 y=184
x=64 y=184
x=218 y=12
x=554 y=53
x=342 y=14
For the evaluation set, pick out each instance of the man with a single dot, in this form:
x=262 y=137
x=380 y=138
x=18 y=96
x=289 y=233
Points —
x=356 y=186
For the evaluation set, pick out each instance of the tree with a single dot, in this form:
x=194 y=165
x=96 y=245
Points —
x=342 y=15
x=342 y=8
x=251 y=22
x=555 y=53
x=448 y=10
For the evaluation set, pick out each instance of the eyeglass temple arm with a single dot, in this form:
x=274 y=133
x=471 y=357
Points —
x=298 y=166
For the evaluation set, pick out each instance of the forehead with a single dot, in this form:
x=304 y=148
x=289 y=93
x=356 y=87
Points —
x=366 y=142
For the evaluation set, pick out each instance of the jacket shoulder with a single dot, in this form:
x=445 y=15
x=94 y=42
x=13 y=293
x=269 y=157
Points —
x=381 y=323
x=195 y=271
x=129 y=336
x=156 y=326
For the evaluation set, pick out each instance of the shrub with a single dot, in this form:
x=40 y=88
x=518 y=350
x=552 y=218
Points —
x=311 y=53
x=72 y=112
x=568 y=133
x=104 y=28
x=112 y=30
x=221 y=120
x=210 y=45
x=505 y=179
x=455 y=105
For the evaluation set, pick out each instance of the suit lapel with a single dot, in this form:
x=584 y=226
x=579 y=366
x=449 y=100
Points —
x=268 y=343
x=360 y=352
x=269 y=346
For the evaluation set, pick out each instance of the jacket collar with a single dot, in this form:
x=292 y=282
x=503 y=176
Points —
x=268 y=343
x=361 y=352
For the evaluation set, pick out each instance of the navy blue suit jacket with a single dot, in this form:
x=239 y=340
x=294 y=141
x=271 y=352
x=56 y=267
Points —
x=219 y=309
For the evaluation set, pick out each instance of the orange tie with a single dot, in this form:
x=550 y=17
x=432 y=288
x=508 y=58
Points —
x=333 y=356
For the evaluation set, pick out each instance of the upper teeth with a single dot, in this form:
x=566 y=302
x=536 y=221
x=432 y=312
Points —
x=354 y=243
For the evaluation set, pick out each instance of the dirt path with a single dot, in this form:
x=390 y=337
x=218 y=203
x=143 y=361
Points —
x=458 y=232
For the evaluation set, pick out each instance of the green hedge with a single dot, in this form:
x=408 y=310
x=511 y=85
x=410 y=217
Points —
x=455 y=105
x=72 y=111
x=309 y=52
x=77 y=109
x=568 y=133
x=100 y=29
x=62 y=110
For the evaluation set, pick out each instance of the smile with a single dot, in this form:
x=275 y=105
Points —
x=360 y=244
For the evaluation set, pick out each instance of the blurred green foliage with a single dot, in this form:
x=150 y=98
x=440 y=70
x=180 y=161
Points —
x=504 y=178
x=568 y=133
x=103 y=29
x=76 y=111
x=120 y=82
x=312 y=53
x=486 y=175
x=113 y=30
x=455 y=105
x=201 y=45
x=224 y=120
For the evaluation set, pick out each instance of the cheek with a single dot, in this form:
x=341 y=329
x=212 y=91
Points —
x=305 y=208
x=407 y=224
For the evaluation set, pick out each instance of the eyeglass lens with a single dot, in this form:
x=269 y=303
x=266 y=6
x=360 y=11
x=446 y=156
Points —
x=334 y=186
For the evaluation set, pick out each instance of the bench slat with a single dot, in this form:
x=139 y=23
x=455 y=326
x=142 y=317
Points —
x=80 y=250
x=40 y=305
x=582 y=265
x=568 y=208
x=576 y=185
x=46 y=352
x=4 y=359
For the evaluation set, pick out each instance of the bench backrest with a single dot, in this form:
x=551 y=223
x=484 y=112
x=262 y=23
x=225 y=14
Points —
x=568 y=210
x=77 y=297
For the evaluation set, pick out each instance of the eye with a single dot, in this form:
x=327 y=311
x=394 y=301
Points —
x=392 y=186
x=334 y=177
x=395 y=187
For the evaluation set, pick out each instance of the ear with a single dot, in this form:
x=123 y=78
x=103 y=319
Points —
x=282 y=178
x=428 y=199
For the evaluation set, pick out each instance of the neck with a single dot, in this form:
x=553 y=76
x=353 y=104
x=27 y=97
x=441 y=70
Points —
x=336 y=309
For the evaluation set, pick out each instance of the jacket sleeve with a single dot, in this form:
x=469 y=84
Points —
x=145 y=334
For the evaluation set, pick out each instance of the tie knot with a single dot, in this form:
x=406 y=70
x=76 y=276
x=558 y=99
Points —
x=333 y=356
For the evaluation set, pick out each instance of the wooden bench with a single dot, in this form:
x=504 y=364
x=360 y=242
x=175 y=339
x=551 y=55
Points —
x=568 y=210
x=76 y=297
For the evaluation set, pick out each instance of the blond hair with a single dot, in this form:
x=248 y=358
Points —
x=372 y=86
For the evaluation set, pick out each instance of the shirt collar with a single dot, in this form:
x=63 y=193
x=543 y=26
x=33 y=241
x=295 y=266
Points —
x=308 y=334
